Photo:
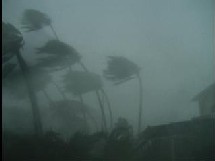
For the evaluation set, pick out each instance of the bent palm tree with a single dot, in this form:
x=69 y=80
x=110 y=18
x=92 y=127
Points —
x=120 y=70
x=13 y=42
x=33 y=20
x=79 y=83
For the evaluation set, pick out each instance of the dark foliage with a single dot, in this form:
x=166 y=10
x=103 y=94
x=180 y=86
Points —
x=12 y=41
x=120 y=69
x=34 y=20
x=29 y=147
x=60 y=55
x=119 y=145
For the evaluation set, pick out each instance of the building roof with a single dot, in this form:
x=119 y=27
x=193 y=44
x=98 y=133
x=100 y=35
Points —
x=188 y=128
x=210 y=90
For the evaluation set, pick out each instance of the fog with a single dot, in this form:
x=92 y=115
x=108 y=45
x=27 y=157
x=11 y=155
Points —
x=172 y=41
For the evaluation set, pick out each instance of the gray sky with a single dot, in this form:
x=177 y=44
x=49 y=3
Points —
x=171 y=40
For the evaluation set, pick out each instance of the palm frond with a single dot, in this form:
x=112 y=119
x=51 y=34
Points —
x=78 y=82
x=33 y=20
x=12 y=41
x=120 y=69
x=60 y=55
x=57 y=47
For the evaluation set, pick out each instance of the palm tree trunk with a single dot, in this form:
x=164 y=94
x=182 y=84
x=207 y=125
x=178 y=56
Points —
x=54 y=32
x=140 y=101
x=104 y=124
x=93 y=120
x=84 y=113
x=109 y=107
x=59 y=90
x=47 y=96
x=32 y=96
x=87 y=113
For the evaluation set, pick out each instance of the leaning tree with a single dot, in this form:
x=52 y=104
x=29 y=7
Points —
x=79 y=83
x=120 y=70
x=12 y=42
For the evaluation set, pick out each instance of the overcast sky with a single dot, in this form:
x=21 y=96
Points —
x=171 y=40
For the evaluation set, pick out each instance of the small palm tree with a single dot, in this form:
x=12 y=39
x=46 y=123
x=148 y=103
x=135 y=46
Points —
x=12 y=43
x=33 y=20
x=79 y=83
x=120 y=70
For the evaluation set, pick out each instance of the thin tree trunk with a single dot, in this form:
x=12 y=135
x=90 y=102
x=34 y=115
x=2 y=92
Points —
x=83 y=66
x=53 y=30
x=93 y=120
x=109 y=107
x=104 y=124
x=32 y=96
x=84 y=113
x=140 y=102
x=59 y=90
x=47 y=96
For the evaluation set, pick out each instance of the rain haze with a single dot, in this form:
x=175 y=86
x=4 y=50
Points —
x=171 y=41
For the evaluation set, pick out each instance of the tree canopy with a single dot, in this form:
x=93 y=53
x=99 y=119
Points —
x=34 y=20
x=120 y=69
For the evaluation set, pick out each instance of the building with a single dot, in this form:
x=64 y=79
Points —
x=206 y=100
x=191 y=140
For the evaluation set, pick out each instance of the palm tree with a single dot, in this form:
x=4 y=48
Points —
x=120 y=70
x=33 y=20
x=79 y=83
x=12 y=43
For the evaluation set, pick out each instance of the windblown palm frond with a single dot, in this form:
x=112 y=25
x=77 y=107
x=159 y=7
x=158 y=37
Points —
x=12 y=41
x=15 y=83
x=34 y=20
x=57 y=47
x=120 y=69
x=81 y=82
x=60 y=55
